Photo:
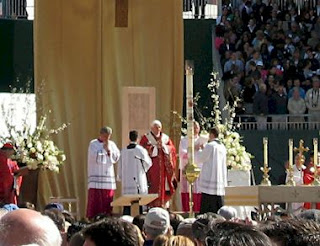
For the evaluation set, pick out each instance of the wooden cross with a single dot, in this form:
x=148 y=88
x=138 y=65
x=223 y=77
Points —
x=301 y=150
x=121 y=13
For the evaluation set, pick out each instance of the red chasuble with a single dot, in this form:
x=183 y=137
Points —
x=7 y=168
x=161 y=175
x=308 y=179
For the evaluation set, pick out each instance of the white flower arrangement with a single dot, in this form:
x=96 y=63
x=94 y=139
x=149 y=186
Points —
x=237 y=156
x=34 y=146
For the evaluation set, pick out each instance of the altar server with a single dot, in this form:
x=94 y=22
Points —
x=213 y=176
x=132 y=168
x=102 y=154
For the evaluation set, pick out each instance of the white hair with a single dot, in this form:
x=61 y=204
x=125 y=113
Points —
x=156 y=122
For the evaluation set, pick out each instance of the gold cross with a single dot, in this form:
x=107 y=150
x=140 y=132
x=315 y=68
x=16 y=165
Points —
x=121 y=13
x=301 y=150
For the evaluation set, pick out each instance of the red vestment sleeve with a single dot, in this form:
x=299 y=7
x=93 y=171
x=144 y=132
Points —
x=6 y=179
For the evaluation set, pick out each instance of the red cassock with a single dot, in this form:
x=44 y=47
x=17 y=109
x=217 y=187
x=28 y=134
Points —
x=308 y=179
x=7 y=169
x=161 y=175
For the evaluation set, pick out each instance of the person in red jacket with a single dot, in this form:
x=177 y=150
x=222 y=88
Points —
x=10 y=181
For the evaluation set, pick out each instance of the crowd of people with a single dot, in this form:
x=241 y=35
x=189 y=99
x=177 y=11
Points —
x=55 y=226
x=271 y=58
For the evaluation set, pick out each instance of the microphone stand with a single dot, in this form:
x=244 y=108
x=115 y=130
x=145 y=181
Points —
x=137 y=184
x=141 y=161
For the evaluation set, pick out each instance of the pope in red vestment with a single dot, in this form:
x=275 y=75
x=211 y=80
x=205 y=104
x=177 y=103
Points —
x=161 y=175
x=8 y=168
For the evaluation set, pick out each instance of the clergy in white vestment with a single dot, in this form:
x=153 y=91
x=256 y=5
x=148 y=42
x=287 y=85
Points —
x=132 y=168
x=102 y=155
x=298 y=168
x=183 y=158
x=213 y=176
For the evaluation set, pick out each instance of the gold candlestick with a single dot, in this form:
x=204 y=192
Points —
x=191 y=171
x=316 y=181
x=265 y=169
x=290 y=180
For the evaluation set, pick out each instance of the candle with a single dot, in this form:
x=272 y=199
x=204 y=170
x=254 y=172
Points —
x=189 y=107
x=315 y=155
x=290 y=153
x=265 y=152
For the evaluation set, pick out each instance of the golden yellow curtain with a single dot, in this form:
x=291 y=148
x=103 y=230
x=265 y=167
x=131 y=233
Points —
x=84 y=60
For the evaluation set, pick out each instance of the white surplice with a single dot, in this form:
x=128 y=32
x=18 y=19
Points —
x=100 y=165
x=213 y=176
x=132 y=171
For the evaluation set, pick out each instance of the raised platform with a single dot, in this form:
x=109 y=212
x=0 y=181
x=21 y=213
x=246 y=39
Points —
x=266 y=197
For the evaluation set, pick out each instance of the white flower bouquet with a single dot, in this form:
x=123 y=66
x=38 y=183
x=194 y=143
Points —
x=237 y=156
x=34 y=145
x=37 y=150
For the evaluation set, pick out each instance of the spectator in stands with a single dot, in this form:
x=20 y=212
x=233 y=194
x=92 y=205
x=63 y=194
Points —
x=289 y=85
x=296 y=58
x=296 y=106
x=25 y=226
x=309 y=56
x=233 y=64
x=225 y=13
x=232 y=88
x=251 y=87
x=246 y=12
x=297 y=84
x=111 y=231
x=260 y=107
x=252 y=28
x=313 y=100
x=252 y=68
x=265 y=54
x=255 y=57
x=227 y=46
x=313 y=41
x=258 y=40
x=244 y=39
x=278 y=106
